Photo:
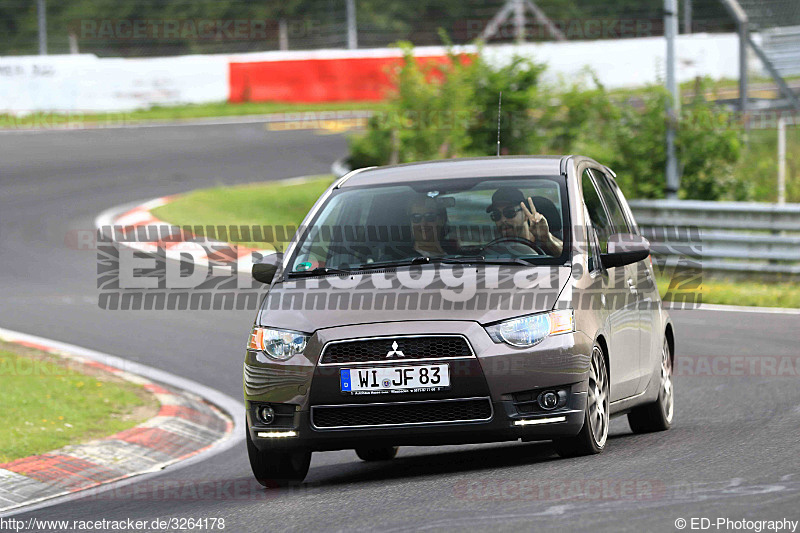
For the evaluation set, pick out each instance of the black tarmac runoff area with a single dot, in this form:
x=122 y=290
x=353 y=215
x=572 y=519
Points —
x=732 y=453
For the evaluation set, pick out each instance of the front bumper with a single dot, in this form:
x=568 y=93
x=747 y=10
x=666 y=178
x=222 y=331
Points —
x=506 y=424
x=503 y=377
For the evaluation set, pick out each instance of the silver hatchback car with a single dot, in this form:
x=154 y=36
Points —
x=457 y=301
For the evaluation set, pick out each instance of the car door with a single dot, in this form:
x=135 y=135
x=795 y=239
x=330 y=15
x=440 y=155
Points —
x=623 y=314
x=648 y=299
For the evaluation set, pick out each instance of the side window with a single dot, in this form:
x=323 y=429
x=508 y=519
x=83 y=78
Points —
x=597 y=214
x=611 y=202
x=625 y=207
x=592 y=251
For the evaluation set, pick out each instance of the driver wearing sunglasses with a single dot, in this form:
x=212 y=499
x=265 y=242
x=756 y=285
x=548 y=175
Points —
x=517 y=218
x=428 y=225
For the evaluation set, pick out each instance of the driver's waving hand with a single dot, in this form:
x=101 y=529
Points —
x=517 y=218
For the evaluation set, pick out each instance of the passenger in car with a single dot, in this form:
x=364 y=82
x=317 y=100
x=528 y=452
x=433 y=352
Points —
x=517 y=218
x=428 y=220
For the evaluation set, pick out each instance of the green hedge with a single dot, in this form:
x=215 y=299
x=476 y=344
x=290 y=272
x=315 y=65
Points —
x=450 y=110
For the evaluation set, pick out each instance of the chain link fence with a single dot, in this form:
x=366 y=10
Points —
x=766 y=14
x=778 y=22
x=138 y=28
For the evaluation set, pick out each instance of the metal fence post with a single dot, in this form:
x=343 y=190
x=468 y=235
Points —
x=352 y=29
x=687 y=16
x=743 y=102
x=283 y=34
x=41 y=11
x=781 y=160
x=670 y=31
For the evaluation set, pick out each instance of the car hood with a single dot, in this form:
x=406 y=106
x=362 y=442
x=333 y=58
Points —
x=483 y=294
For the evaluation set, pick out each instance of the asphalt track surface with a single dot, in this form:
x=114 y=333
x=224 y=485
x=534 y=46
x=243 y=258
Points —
x=733 y=450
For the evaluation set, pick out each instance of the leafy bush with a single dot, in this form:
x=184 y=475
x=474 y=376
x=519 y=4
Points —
x=709 y=146
x=450 y=110
x=519 y=84
x=428 y=118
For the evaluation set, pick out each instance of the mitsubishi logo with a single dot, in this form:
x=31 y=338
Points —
x=394 y=351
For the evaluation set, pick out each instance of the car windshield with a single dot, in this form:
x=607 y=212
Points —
x=519 y=220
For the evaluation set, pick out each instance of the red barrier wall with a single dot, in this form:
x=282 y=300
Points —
x=315 y=80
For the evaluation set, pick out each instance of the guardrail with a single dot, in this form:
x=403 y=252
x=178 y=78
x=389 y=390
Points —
x=724 y=237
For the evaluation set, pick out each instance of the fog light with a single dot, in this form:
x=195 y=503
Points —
x=266 y=414
x=548 y=400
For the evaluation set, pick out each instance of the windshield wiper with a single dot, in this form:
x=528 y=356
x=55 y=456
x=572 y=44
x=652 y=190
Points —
x=418 y=260
x=423 y=260
x=461 y=259
x=514 y=261
x=320 y=271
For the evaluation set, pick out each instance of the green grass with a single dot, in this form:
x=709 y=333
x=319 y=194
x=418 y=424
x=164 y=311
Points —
x=276 y=204
x=182 y=112
x=264 y=204
x=733 y=83
x=740 y=292
x=226 y=109
x=48 y=402
x=759 y=164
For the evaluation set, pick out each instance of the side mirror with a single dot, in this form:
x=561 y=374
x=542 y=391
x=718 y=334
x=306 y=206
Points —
x=625 y=249
x=265 y=269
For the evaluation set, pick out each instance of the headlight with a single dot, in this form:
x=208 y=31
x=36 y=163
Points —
x=530 y=330
x=279 y=344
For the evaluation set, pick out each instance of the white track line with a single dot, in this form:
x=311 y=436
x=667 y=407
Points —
x=744 y=309
x=234 y=408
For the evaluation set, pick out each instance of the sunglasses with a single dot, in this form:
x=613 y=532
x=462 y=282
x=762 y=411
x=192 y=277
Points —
x=508 y=212
x=430 y=216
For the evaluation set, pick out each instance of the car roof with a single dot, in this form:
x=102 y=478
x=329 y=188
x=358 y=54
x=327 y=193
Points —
x=475 y=167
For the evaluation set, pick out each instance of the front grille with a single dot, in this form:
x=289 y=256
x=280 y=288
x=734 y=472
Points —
x=383 y=349
x=393 y=414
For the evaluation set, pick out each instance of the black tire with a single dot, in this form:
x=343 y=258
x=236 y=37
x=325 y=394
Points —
x=377 y=454
x=658 y=415
x=593 y=435
x=278 y=469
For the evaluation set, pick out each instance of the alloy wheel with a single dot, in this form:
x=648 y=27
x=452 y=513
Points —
x=667 y=398
x=598 y=398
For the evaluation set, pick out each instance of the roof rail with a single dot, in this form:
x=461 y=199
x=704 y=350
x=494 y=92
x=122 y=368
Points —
x=350 y=175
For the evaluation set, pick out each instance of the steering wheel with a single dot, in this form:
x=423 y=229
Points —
x=518 y=240
x=348 y=254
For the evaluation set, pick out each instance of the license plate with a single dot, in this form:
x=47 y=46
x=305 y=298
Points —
x=395 y=379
